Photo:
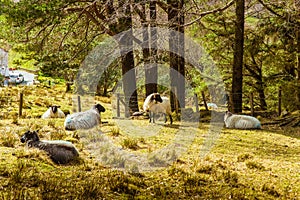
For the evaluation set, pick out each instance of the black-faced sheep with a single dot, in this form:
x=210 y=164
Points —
x=154 y=104
x=84 y=120
x=60 y=152
x=53 y=112
x=241 y=121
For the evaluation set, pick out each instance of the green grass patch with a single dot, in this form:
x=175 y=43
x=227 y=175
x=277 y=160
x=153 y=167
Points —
x=242 y=164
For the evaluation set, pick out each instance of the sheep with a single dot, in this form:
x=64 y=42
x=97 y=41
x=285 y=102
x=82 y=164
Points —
x=150 y=100
x=154 y=103
x=241 y=121
x=53 y=112
x=59 y=151
x=84 y=120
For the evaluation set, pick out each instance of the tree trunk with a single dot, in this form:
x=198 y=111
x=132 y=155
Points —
x=128 y=72
x=181 y=61
x=176 y=46
x=262 y=97
x=149 y=53
x=237 y=72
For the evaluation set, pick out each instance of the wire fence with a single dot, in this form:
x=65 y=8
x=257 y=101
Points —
x=15 y=100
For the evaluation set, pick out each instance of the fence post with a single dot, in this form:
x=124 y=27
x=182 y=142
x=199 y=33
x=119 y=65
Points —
x=196 y=102
x=251 y=104
x=204 y=100
x=176 y=100
x=279 y=101
x=20 y=104
x=118 y=105
x=79 y=103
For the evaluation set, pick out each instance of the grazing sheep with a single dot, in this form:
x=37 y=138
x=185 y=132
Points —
x=154 y=103
x=53 y=112
x=150 y=100
x=84 y=120
x=241 y=121
x=60 y=152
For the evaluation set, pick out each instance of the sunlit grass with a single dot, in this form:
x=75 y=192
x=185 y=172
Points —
x=243 y=164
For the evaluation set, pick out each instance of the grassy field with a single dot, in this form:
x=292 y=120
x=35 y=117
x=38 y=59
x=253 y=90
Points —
x=242 y=164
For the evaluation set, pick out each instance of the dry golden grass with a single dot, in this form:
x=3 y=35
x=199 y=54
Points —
x=243 y=164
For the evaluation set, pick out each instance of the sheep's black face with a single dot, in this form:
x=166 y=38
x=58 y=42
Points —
x=156 y=97
x=100 y=108
x=29 y=136
x=54 y=108
x=227 y=114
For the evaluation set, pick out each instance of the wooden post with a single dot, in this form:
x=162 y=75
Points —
x=196 y=102
x=118 y=105
x=204 y=100
x=279 y=101
x=79 y=103
x=176 y=100
x=251 y=104
x=20 y=104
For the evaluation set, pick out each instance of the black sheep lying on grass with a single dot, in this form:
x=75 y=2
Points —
x=60 y=152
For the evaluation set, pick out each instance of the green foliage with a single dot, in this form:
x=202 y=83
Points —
x=115 y=131
x=130 y=143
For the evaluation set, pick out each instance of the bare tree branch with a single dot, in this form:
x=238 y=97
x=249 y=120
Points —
x=201 y=15
x=270 y=9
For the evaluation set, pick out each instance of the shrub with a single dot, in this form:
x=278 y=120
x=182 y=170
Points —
x=130 y=144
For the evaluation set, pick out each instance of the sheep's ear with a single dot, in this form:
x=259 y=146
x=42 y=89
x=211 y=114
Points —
x=228 y=113
x=58 y=106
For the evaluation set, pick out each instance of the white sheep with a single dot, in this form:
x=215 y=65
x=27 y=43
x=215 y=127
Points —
x=154 y=104
x=84 y=120
x=241 y=121
x=53 y=112
x=60 y=152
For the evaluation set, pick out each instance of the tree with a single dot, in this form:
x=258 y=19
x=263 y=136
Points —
x=42 y=23
x=176 y=46
x=237 y=72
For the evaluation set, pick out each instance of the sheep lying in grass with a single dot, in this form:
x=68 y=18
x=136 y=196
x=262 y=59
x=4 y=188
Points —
x=154 y=104
x=84 y=120
x=241 y=121
x=53 y=112
x=60 y=152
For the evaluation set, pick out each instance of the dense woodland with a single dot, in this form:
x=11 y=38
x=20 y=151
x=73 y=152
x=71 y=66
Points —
x=254 y=43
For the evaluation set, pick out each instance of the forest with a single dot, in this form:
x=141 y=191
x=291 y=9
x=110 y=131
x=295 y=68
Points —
x=206 y=56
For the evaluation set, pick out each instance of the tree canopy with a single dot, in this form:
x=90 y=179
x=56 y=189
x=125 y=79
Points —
x=59 y=34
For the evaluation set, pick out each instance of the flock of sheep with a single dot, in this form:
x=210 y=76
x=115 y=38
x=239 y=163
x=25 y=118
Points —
x=62 y=152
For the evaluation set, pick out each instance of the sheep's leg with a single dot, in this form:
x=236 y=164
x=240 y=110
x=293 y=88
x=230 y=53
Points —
x=151 y=116
x=171 y=120
x=165 y=115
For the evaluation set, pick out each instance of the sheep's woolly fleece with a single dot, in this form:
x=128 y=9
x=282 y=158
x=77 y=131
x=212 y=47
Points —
x=60 y=152
x=84 y=120
x=241 y=121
